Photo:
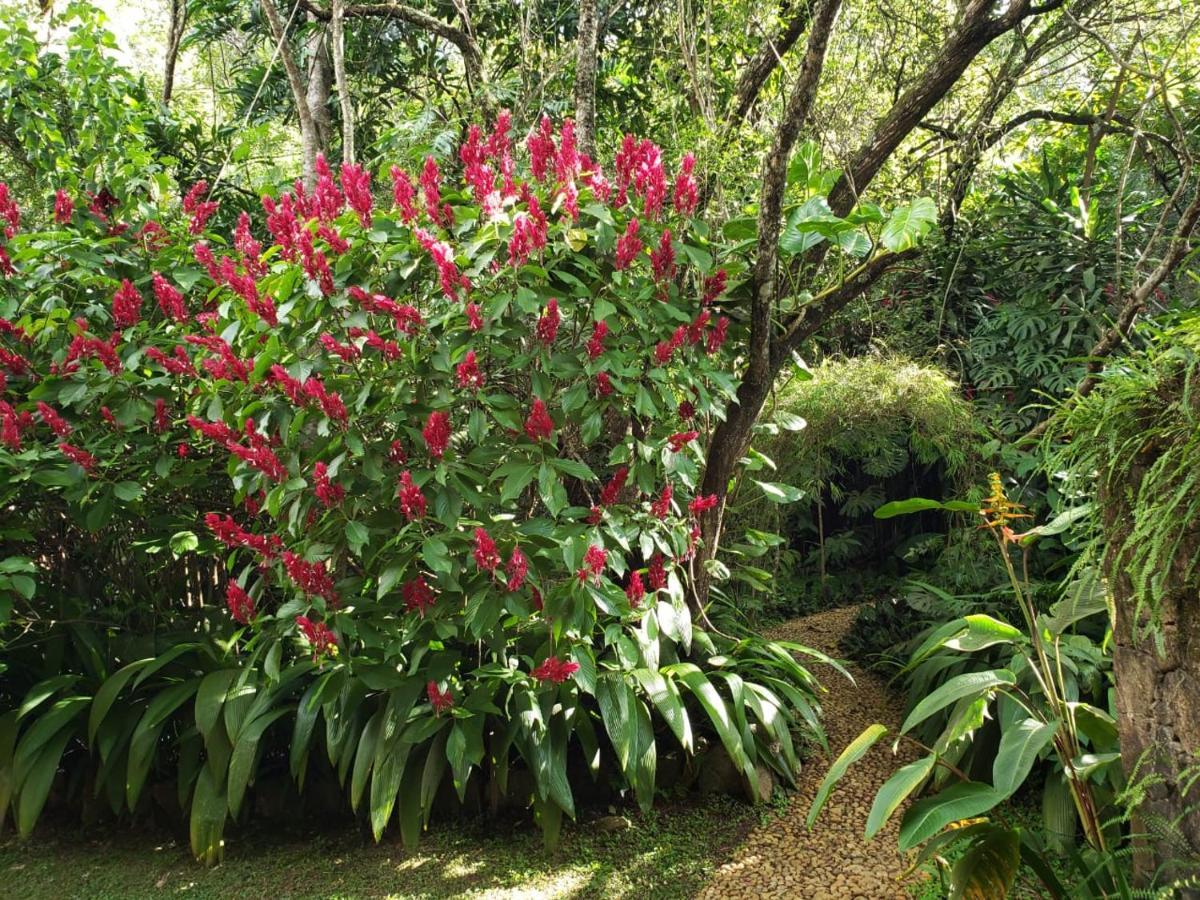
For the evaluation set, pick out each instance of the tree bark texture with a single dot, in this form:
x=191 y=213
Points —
x=585 y=77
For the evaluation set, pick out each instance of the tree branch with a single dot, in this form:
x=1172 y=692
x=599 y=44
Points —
x=764 y=62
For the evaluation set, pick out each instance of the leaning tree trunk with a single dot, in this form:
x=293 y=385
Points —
x=1157 y=673
x=585 y=78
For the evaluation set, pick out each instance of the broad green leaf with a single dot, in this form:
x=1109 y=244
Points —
x=207 y=821
x=34 y=788
x=780 y=493
x=908 y=224
x=1020 y=745
x=854 y=751
x=928 y=816
x=983 y=631
x=988 y=868
x=965 y=685
x=895 y=790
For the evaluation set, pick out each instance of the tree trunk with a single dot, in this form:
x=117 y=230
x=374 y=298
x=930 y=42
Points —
x=585 y=78
x=310 y=143
x=337 y=27
x=320 y=84
x=1158 y=703
x=174 y=38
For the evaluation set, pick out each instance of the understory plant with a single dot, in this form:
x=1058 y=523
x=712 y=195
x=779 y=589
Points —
x=995 y=706
x=407 y=488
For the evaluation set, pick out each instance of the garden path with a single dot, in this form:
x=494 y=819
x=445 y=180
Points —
x=831 y=862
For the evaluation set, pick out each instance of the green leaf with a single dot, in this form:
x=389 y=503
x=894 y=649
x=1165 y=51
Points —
x=718 y=714
x=920 y=504
x=207 y=821
x=895 y=790
x=928 y=816
x=34 y=788
x=665 y=697
x=183 y=542
x=245 y=754
x=780 y=493
x=854 y=751
x=108 y=692
x=1058 y=524
x=988 y=868
x=982 y=631
x=966 y=685
x=1020 y=745
x=357 y=536
x=210 y=697
x=908 y=224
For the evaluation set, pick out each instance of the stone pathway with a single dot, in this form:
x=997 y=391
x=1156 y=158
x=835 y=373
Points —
x=831 y=862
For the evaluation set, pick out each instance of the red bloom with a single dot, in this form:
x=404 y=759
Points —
x=248 y=247
x=79 y=456
x=53 y=420
x=241 y=604
x=702 y=503
x=547 y=324
x=431 y=190
x=440 y=700
x=604 y=385
x=716 y=337
x=437 y=433
x=326 y=197
x=418 y=595
x=64 y=207
x=412 y=501
x=327 y=492
x=126 y=305
x=320 y=638
x=468 y=372
x=539 y=425
x=162 y=419
x=396 y=453
x=229 y=533
x=201 y=210
x=662 y=258
x=474 y=317
x=655 y=574
x=695 y=331
x=635 y=590
x=686 y=410
x=555 y=670
x=517 y=569
x=541 y=149
x=681 y=439
x=261 y=458
x=661 y=508
x=628 y=245
x=214 y=431
x=686 y=194
x=183 y=450
x=403 y=194
x=714 y=287
x=594 y=561
x=345 y=352
x=612 y=491
x=356 y=185
x=486 y=555
x=595 y=344
x=312 y=578
x=170 y=300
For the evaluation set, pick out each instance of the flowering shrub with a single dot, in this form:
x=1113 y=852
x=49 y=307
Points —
x=447 y=447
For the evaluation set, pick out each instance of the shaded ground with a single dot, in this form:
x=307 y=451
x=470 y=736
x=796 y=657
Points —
x=781 y=858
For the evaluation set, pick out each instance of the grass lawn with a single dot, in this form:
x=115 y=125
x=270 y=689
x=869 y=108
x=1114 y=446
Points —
x=667 y=853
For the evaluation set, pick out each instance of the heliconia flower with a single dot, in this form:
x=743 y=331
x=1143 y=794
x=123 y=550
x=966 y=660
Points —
x=681 y=439
x=53 y=420
x=79 y=456
x=241 y=604
x=321 y=639
x=162 y=419
x=440 y=700
x=474 y=317
x=716 y=337
x=403 y=194
x=327 y=492
x=200 y=210
x=661 y=508
x=555 y=670
x=629 y=245
x=418 y=595
x=356 y=185
x=345 y=352
x=437 y=433
x=604 y=385
x=516 y=570
x=595 y=344
x=539 y=425
x=64 y=207
x=541 y=149
x=311 y=577
x=655 y=573
x=431 y=190
x=468 y=372
x=635 y=590
x=485 y=553
x=695 y=331
x=612 y=491
x=594 y=560
x=662 y=258
x=547 y=323
x=126 y=305
x=686 y=195
x=702 y=503
x=170 y=300
x=412 y=501
x=327 y=199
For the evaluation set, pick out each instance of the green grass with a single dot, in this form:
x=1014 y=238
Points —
x=665 y=854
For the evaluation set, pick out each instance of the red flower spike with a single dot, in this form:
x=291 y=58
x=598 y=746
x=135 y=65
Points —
x=412 y=501
x=241 y=604
x=516 y=570
x=594 y=561
x=437 y=433
x=555 y=670
x=440 y=700
x=486 y=556
x=635 y=590
x=539 y=425
x=418 y=595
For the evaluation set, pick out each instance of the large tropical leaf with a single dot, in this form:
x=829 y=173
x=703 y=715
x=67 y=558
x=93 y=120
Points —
x=928 y=816
x=988 y=868
x=854 y=751
x=1020 y=745
x=895 y=790
x=966 y=685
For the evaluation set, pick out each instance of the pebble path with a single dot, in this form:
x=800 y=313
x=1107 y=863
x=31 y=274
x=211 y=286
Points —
x=832 y=861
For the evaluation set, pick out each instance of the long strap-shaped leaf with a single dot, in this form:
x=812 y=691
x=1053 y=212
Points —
x=965 y=685
x=852 y=754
